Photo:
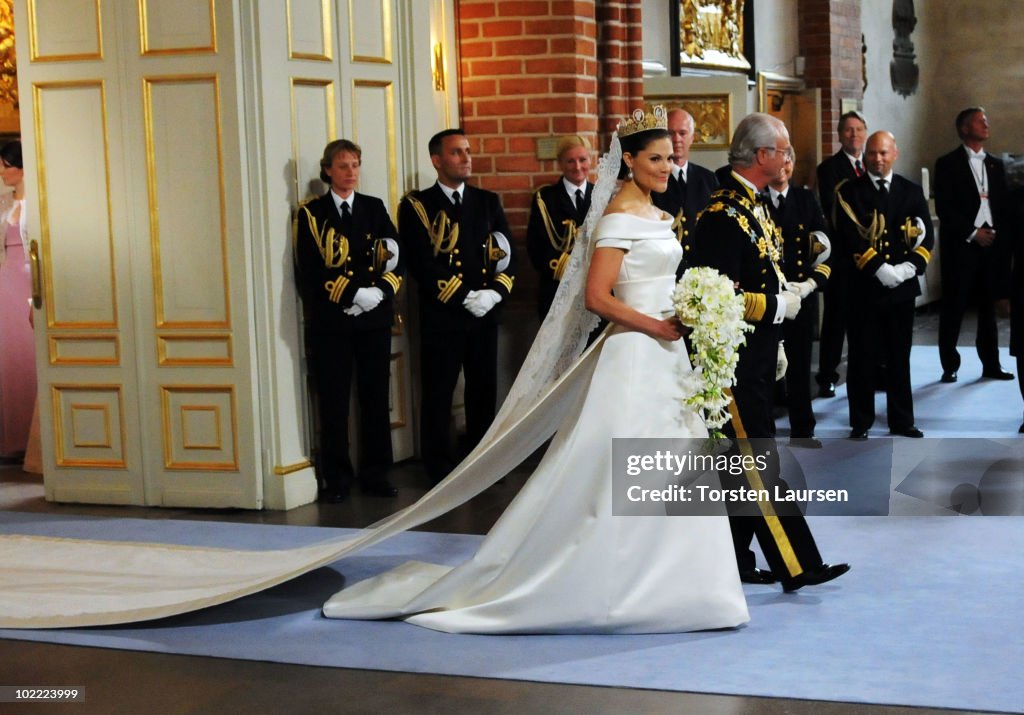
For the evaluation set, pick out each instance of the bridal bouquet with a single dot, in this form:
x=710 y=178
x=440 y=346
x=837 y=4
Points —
x=706 y=301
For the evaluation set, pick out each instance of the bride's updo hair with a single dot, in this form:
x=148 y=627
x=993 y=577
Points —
x=637 y=132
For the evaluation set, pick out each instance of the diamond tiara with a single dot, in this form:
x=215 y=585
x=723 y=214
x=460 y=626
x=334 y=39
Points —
x=641 y=121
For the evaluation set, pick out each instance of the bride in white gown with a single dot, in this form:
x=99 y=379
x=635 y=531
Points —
x=558 y=560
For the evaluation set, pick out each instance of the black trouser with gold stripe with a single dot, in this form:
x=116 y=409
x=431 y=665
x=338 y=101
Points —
x=780 y=527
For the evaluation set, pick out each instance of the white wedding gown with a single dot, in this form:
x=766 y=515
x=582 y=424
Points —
x=558 y=560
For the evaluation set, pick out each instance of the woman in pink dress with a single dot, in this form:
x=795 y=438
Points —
x=17 y=349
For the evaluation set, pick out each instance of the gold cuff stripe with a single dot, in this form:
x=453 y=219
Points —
x=448 y=289
x=505 y=281
x=394 y=281
x=336 y=287
x=924 y=253
x=824 y=270
x=767 y=511
x=755 y=306
x=866 y=257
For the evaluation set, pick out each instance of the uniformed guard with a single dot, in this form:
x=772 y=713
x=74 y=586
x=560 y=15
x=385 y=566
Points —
x=736 y=235
x=689 y=187
x=457 y=242
x=882 y=220
x=806 y=250
x=348 y=271
x=556 y=214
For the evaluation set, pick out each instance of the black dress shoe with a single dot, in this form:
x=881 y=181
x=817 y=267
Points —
x=997 y=374
x=948 y=376
x=805 y=442
x=860 y=434
x=827 y=390
x=756 y=575
x=910 y=431
x=813 y=577
x=333 y=496
x=378 y=489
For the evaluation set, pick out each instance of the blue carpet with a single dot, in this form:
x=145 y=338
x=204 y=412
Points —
x=929 y=616
x=972 y=407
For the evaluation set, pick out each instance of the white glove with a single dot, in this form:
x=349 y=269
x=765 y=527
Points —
x=888 y=276
x=792 y=302
x=905 y=270
x=823 y=240
x=801 y=289
x=480 y=302
x=781 y=363
x=367 y=299
x=353 y=311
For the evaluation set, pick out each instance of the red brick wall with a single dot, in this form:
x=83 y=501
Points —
x=830 y=40
x=528 y=70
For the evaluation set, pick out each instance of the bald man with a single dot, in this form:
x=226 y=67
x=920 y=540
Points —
x=886 y=263
x=689 y=187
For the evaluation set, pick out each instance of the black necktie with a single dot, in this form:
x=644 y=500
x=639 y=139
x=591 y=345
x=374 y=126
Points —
x=858 y=168
x=579 y=200
x=346 y=218
x=882 y=190
x=780 y=203
x=456 y=205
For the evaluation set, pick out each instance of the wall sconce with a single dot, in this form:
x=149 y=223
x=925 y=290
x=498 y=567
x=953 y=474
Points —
x=8 y=57
x=438 y=68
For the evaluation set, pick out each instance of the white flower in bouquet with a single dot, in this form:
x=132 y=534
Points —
x=706 y=302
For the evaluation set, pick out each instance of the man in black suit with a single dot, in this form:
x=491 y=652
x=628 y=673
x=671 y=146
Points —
x=970 y=196
x=348 y=271
x=456 y=239
x=844 y=165
x=736 y=236
x=805 y=253
x=886 y=234
x=556 y=214
x=689 y=187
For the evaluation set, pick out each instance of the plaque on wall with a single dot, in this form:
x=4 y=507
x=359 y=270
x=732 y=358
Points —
x=711 y=34
x=710 y=116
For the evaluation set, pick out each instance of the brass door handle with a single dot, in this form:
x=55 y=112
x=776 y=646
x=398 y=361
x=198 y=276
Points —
x=37 y=274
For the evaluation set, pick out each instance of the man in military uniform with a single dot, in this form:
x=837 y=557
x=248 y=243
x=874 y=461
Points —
x=456 y=239
x=736 y=236
x=886 y=233
x=348 y=272
x=844 y=165
x=805 y=253
x=689 y=187
x=556 y=214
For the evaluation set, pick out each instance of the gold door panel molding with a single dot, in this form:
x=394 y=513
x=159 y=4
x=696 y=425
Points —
x=184 y=158
x=373 y=109
x=373 y=45
x=398 y=394
x=75 y=229
x=194 y=350
x=89 y=425
x=98 y=350
x=309 y=30
x=314 y=123
x=64 y=30
x=177 y=28
x=200 y=427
